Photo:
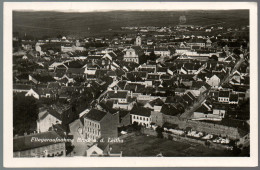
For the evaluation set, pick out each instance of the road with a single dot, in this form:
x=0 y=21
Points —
x=189 y=113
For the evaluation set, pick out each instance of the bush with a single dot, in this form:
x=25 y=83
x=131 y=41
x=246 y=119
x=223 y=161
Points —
x=159 y=131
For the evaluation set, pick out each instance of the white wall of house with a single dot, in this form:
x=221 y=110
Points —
x=43 y=125
x=142 y=120
x=92 y=129
x=223 y=99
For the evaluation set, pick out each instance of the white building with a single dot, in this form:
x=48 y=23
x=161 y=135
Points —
x=131 y=56
x=142 y=116
x=138 y=41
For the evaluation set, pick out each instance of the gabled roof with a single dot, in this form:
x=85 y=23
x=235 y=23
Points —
x=156 y=102
x=95 y=114
x=168 y=109
x=233 y=97
x=141 y=111
x=117 y=94
x=202 y=109
x=54 y=113
x=223 y=93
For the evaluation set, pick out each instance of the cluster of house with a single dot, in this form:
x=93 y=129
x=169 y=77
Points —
x=123 y=89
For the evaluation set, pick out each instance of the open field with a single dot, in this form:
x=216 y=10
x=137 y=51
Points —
x=148 y=146
x=40 y=24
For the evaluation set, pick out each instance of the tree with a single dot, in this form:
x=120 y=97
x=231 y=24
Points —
x=159 y=131
x=59 y=36
x=214 y=57
x=25 y=114
x=152 y=56
x=136 y=127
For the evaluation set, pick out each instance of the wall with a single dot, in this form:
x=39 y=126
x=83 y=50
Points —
x=157 y=118
x=109 y=125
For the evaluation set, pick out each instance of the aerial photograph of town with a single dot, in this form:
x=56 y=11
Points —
x=131 y=83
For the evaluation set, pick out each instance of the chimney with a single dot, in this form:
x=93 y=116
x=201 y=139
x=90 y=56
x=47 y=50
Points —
x=131 y=94
x=115 y=89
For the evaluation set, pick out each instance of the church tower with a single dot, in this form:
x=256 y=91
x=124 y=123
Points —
x=138 y=40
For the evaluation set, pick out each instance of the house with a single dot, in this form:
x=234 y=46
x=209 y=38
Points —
x=196 y=42
x=30 y=146
x=56 y=64
x=32 y=93
x=209 y=112
x=118 y=95
x=102 y=150
x=223 y=96
x=180 y=91
x=234 y=98
x=124 y=118
x=141 y=115
x=157 y=118
x=100 y=124
x=214 y=81
x=163 y=52
x=189 y=97
x=47 y=118
x=156 y=105
x=131 y=56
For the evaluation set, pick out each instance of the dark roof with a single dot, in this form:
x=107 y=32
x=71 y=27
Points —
x=117 y=94
x=54 y=113
x=95 y=114
x=123 y=113
x=74 y=64
x=196 y=40
x=202 y=109
x=22 y=86
x=223 y=94
x=142 y=111
x=153 y=77
x=168 y=109
x=24 y=142
x=157 y=102
x=121 y=84
x=233 y=97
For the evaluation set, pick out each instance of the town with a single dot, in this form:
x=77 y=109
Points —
x=145 y=91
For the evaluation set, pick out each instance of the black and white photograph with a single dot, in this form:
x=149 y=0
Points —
x=96 y=79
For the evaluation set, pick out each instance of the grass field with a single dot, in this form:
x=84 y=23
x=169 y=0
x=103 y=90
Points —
x=147 y=146
x=40 y=24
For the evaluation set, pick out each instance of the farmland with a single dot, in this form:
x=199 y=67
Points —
x=40 y=24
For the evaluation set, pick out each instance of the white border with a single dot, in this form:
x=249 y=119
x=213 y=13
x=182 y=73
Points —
x=9 y=161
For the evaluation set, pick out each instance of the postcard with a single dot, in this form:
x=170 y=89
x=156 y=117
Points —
x=130 y=84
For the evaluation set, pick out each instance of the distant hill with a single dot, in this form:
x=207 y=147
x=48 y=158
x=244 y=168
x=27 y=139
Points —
x=41 y=24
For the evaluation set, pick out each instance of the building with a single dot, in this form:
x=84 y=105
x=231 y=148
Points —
x=214 y=81
x=102 y=150
x=223 y=96
x=163 y=52
x=141 y=115
x=31 y=145
x=131 y=56
x=196 y=42
x=47 y=118
x=138 y=40
x=100 y=124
